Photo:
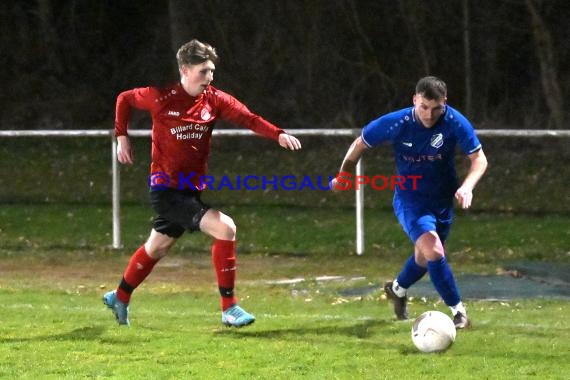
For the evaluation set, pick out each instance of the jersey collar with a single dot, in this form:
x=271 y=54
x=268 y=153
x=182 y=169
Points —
x=443 y=116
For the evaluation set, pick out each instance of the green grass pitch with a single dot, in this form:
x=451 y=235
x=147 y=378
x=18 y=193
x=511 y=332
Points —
x=53 y=324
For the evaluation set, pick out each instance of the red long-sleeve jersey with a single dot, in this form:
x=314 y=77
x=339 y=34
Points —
x=182 y=127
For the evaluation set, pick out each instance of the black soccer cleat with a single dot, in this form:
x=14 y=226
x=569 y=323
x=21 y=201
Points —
x=400 y=303
x=461 y=321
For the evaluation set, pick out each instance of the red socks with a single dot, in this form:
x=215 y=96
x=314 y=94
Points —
x=137 y=270
x=224 y=261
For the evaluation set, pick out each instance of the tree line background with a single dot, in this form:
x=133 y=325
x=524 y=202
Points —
x=299 y=63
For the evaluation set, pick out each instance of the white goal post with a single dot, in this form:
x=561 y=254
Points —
x=359 y=193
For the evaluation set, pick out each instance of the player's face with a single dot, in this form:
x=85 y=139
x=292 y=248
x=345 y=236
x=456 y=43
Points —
x=195 y=78
x=428 y=111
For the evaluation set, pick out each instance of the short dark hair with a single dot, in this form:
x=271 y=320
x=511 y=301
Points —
x=431 y=88
x=195 y=52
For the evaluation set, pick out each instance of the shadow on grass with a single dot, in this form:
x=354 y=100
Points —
x=359 y=330
x=83 y=333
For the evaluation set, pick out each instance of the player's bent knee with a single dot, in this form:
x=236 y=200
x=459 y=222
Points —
x=433 y=255
x=158 y=244
x=429 y=246
x=218 y=225
x=229 y=228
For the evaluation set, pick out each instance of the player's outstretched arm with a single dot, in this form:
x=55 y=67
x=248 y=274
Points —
x=124 y=150
x=348 y=165
x=288 y=141
x=464 y=194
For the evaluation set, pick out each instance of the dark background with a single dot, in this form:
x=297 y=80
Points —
x=301 y=64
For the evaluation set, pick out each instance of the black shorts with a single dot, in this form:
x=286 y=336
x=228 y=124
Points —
x=178 y=211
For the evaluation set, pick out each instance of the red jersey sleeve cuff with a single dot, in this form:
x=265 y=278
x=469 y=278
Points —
x=120 y=130
x=278 y=132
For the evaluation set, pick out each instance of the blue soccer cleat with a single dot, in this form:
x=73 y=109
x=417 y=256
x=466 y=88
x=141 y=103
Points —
x=120 y=309
x=237 y=317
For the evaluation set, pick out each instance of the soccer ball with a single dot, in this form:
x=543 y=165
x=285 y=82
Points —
x=433 y=331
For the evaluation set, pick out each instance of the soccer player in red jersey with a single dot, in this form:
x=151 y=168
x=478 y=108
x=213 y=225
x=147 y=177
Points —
x=183 y=117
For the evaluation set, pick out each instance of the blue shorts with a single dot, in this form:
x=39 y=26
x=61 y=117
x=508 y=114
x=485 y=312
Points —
x=418 y=218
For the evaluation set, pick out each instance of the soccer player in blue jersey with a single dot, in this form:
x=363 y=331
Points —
x=424 y=139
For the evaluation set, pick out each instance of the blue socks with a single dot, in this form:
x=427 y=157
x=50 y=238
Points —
x=411 y=273
x=443 y=281
x=440 y=275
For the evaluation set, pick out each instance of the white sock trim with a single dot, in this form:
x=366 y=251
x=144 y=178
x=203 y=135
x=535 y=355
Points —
x=459 y=308
x=398 y=290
